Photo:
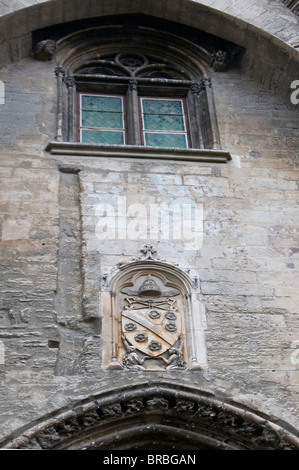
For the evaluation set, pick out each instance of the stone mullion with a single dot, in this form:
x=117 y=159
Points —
x=71 y=89
x=59 y=73
x=134 y=129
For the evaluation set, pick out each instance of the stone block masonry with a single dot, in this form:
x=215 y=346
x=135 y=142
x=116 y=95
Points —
x=55 y=269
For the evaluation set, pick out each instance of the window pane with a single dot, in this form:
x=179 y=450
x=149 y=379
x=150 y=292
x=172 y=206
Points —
x=164 y=123
x=163 y=115
x=102 y=119
x=153 y=106
x=102 y=103
x=102 y=137
x=101 y=111
x=159 y=139
x=165 y=119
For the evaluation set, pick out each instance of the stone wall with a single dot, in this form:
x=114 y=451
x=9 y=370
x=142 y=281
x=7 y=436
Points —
x=54 y=266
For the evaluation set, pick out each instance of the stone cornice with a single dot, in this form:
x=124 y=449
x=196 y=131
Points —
x=73 y=149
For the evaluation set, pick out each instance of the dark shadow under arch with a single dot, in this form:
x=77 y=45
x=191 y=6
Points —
x=156 y=416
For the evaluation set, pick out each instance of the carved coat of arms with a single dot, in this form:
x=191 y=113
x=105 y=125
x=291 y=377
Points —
x=152 y=327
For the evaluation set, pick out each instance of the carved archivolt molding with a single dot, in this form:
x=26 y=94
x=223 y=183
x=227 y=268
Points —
x=142 y=414
x=153 y=318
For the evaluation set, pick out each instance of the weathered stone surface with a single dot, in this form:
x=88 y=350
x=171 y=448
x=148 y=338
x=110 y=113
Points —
x=56 y=261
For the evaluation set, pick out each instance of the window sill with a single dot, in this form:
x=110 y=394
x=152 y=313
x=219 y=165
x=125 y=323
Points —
x=74 y=149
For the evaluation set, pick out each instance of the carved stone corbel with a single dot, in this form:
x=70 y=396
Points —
x=220 y=61
x=45 y=50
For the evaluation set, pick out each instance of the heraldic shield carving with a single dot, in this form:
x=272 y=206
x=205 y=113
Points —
x=152 y=327
x=153 y=317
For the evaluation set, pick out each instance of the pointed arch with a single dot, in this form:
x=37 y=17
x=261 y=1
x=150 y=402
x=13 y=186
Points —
x=152 y=416
x=279 y=45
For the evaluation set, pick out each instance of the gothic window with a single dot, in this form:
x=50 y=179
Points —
x=135 y=88
x=104 y=120
x=132 y=99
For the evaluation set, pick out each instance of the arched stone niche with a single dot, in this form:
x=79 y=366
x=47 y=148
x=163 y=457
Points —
x=153 y=318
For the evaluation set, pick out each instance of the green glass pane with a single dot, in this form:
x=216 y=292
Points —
x=162 y=107
x=165 y=140
x=163 y=122
x=102 y=119
x=101 y=103
x=102 y=137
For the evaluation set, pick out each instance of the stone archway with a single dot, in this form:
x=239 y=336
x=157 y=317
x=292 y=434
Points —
x=156 y=416
x=271 y=51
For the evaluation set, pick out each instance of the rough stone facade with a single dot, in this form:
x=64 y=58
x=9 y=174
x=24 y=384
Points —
x=58 y=271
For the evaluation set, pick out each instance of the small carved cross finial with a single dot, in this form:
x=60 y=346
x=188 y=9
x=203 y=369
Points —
x=148 y=251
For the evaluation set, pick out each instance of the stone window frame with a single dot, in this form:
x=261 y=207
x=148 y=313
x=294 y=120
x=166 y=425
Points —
x=191 y=79
x=132 y=91
x=124 y=129
x=196 y=94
